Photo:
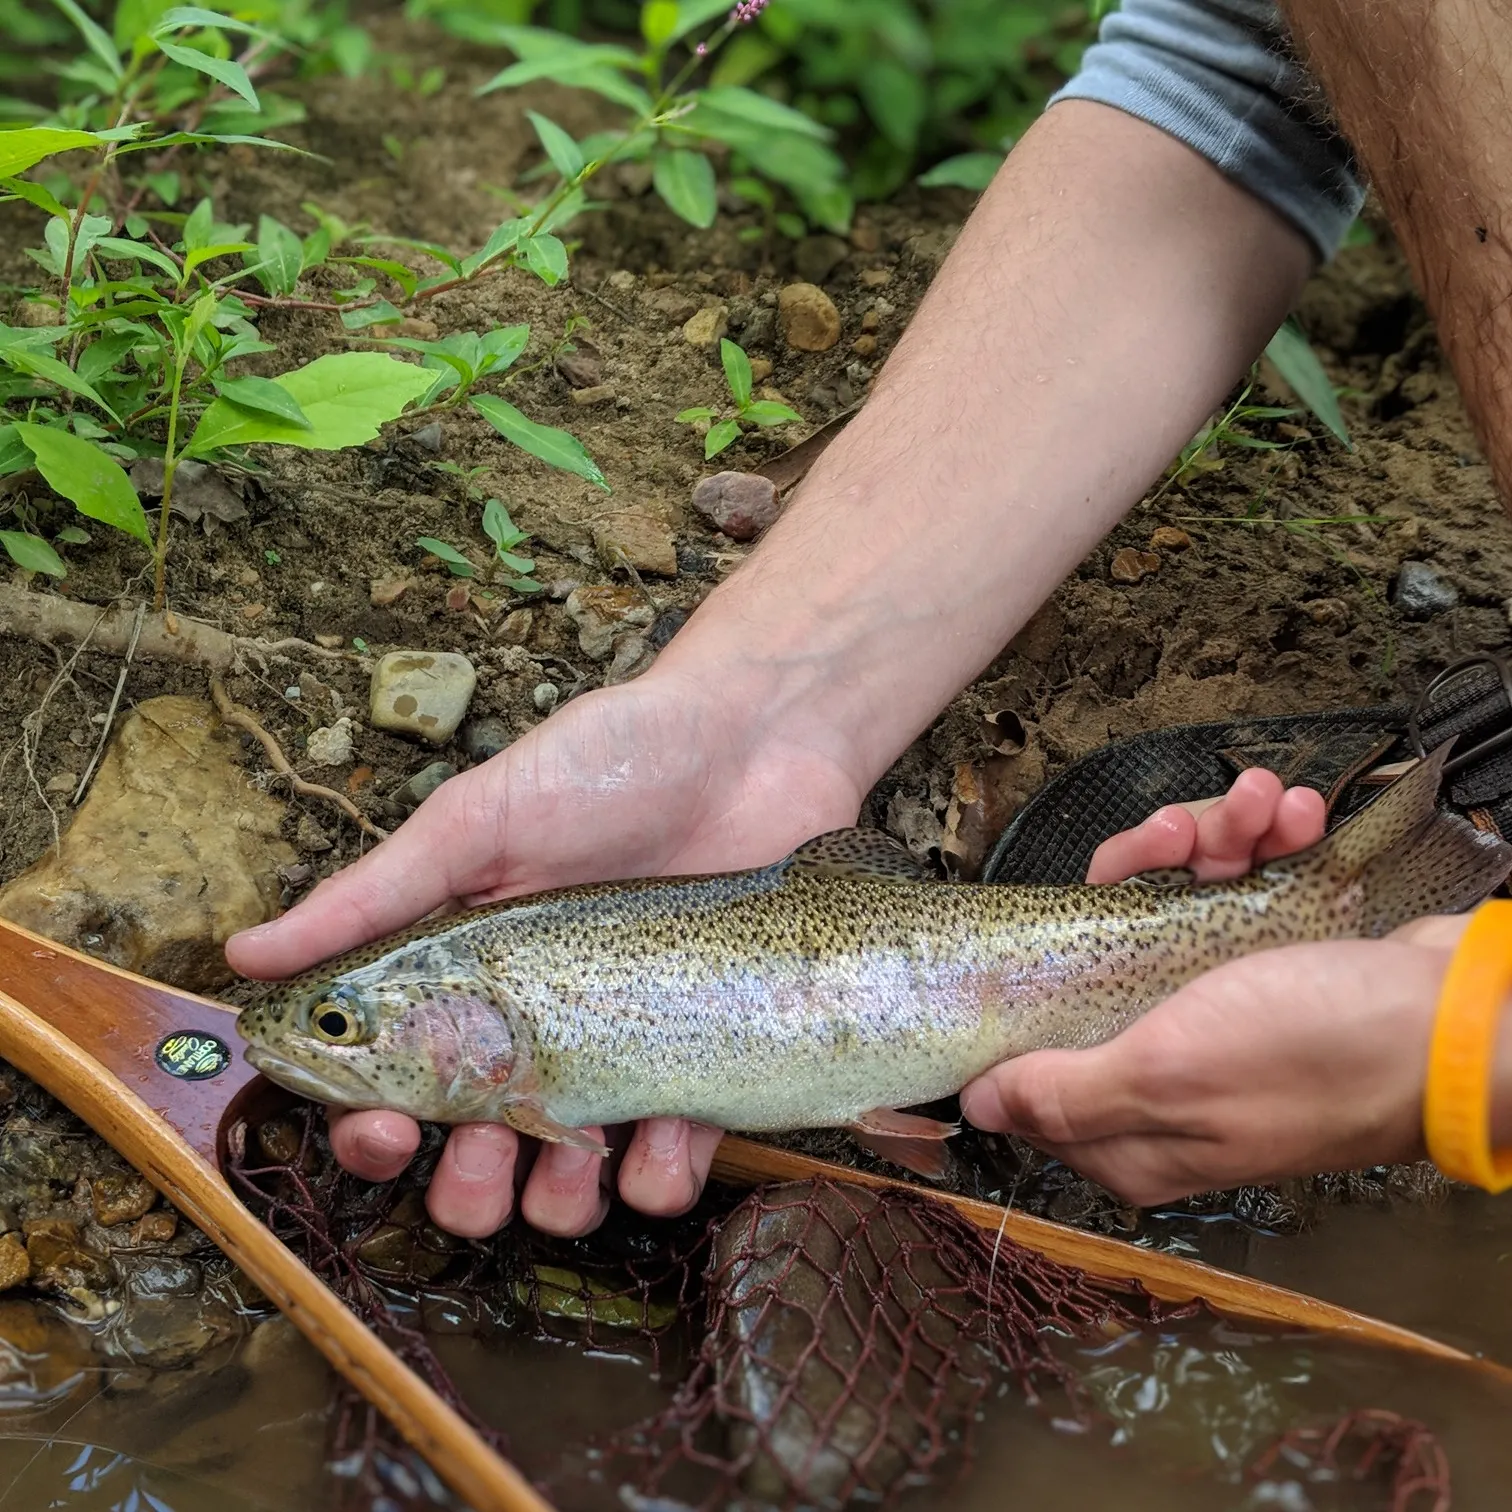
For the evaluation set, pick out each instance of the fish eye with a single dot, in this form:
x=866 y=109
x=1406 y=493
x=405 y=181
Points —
x=335 y=1023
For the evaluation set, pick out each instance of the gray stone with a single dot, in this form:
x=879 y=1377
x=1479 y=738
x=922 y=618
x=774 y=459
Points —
x=483 y=738
x=741 y=505
x=632 y=655
x=330 y=746
x=544 y=696
x=601 y=611
x=818 y=256
x=422 y=694
x=1421 y=591
x=413 y=793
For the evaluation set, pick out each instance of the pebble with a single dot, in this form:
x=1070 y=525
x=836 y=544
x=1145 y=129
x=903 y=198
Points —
x=871 y=319
x=601 y=611
x=740 y=505
x=666 y=625
x=760 y=328
x=761 y=369
x=676 y=305
x=864 y=346
x=59 y=1261
x=518 y=623
x=310 y=838
x=155 y=1228
x=544 y=696
x=600 y=393
x=1131 y=566
x=120 y=1197
x=15 y=1263
x=64 y=782
x=417 y=329
x=428 y=437
x=413 y=793
x=640 y=539
x=622 y=279
x=389 y=590
x=876 y=278
x=330 y=746
x=583 y=367
x=1331 y=613
x=1421 y=591
x=706 y=327
x=808 y=317
x=422 y=694
x=330 y=642
x=818 y=256
x=172 y=851
x=484 y=737
x=1169 y=538
x=253 y=612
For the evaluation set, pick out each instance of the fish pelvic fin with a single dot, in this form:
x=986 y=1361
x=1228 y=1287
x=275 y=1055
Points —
x=870 y=855
x=907 y=1139
x=530 y=1118
x=1408 y=857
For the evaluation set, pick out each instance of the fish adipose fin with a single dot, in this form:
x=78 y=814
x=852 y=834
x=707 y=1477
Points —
x=868 y=855
x=908 y=1140
x=1406 y=856
x=528 y=1118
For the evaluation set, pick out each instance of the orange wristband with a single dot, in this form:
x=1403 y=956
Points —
x=1457 y=1098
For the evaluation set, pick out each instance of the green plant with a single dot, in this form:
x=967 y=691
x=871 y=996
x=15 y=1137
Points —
x=760 y=412
x=505 y=535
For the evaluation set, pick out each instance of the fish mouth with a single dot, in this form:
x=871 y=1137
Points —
x=296 y=1078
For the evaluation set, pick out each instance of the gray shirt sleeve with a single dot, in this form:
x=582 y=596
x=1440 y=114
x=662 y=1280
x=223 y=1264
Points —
x=1220 y=76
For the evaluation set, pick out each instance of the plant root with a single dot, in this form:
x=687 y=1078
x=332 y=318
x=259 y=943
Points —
x=233 y=714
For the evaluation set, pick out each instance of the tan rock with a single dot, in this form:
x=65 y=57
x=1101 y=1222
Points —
x=601 y=611
x=155 y=1228
x=761 y=369
x=865 y=346
x=600 y=393
x=808 y=317
x=1169 y=538
x=422 y=694
x=120 y=1197
x=638 y=538
x=389 y=590
x=706 y=327
x=172 y=852
x=15 y=1263
x=876 y=278
x=1131 y=566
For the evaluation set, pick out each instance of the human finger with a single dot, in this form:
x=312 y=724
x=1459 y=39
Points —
x=471 y=1193
x=1063 y=1097
x=1228 y=832
x=567 y=1191
x=374 y=1146
x=1300 y=819
x=1166 y=838
x=666 y=1165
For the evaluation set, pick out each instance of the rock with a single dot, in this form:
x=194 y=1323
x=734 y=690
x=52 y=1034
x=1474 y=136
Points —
x=1169 y=538
x=871 y=319
x=33 y=314
x=865 y=346
x=43 y=1358
x=818 y=256
x=666 y=625
x=544 y=696
x=1131 y=566
x=428 y=437
x=808 y=317
x=581 y=366
x=1331 y=613
x=171 y=853
x=483 y=738
x=63 y=782
x=632 y=655
x=677 y=306
x=600 y=612
x=253 y=612
x=1421 y=591
x=518 y=623
x=422 y=694
x=163 y=1276
x=15 y=1263
x=309 y=836
x=417 y=329
x=601 y=393
x=385 y=592
x=706 y=327
x=760 y=328
x=413 y=793
x=761 y=369
x=622 y=279
x=331 y=745
x=59 y=1259
x=120 y=1197
x=155 y=1228
x=876 y=278
x=639 y=539
x=741 y=505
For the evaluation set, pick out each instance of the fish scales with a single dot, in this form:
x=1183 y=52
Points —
x=808 y=993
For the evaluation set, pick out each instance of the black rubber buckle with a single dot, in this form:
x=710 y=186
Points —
x=1500 y=740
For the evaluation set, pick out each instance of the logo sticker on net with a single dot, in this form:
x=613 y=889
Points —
x=193 y=1057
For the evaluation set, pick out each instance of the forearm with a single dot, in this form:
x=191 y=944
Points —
x=1107 y=292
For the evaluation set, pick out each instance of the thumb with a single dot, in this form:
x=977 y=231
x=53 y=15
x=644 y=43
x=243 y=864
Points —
x=1061 y=1097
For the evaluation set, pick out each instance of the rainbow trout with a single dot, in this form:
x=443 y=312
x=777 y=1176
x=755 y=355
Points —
x=827 y=990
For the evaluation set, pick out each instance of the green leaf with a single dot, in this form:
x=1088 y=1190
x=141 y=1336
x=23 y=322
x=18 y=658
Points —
x=502 y=347
x=14 y=457
x=692 y=14
x=346 y=398
x=575 y=75
x=547 y=259
x=81 y=472
x=968 y=170
x=685 y=180
x=209 y=254
x=117 y=246
x=897 y=99
x=698 y=412
x=184 y=17
x=381 y=313
x=34 y=194
x=264 y=396
x=94 y=37
x=32 y=553
x=1298 y=364
x=767 y=412
x=198 y=225
x=453 y=558
x=720 y=436
x=71 y=535
x=41 y=366
x=759 y=110
x=737 y=369
x=552 y=446
x=516 y=563
x=280 y=255
x=658 y=22
x=500 y=529
x=223 y=70
x=23 y=147
x=565 y=154
x=505 y=236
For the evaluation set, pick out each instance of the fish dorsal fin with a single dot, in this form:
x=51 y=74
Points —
x=864 y=854
x=1165 y=877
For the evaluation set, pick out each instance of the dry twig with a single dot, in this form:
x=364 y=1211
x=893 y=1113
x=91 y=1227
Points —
x=115 y=703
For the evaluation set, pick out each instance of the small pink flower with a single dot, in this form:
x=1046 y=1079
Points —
x=747 y=11
x=702 y=50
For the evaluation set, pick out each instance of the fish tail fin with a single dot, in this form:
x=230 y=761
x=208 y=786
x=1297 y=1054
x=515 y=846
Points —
x=1404 y=857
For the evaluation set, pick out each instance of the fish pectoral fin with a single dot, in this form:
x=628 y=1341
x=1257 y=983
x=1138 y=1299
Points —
x=869 y=855
x=1164 y=876
x=530 y=1119
x=908 y=1140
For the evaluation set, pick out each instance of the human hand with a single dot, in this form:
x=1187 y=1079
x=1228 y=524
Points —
x=651 y=777
x=1290 y=1061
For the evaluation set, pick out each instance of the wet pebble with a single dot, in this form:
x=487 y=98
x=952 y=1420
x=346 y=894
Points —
x=1422 y=591
x=155 y=1228
x=808 y=317
x=422 y=694
x=59 y=1259
x=483 y=738
x=120 y=1197
x=15 y=1263
x=412 y=794
x=601 y=611
x=163 y=1276
x=1132 y=566
x=741 y=505
x=330 y=746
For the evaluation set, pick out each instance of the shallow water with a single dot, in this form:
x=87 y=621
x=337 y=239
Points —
x=244 y=1430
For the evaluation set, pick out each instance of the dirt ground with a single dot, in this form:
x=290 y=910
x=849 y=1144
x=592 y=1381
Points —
x=1276 y=617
